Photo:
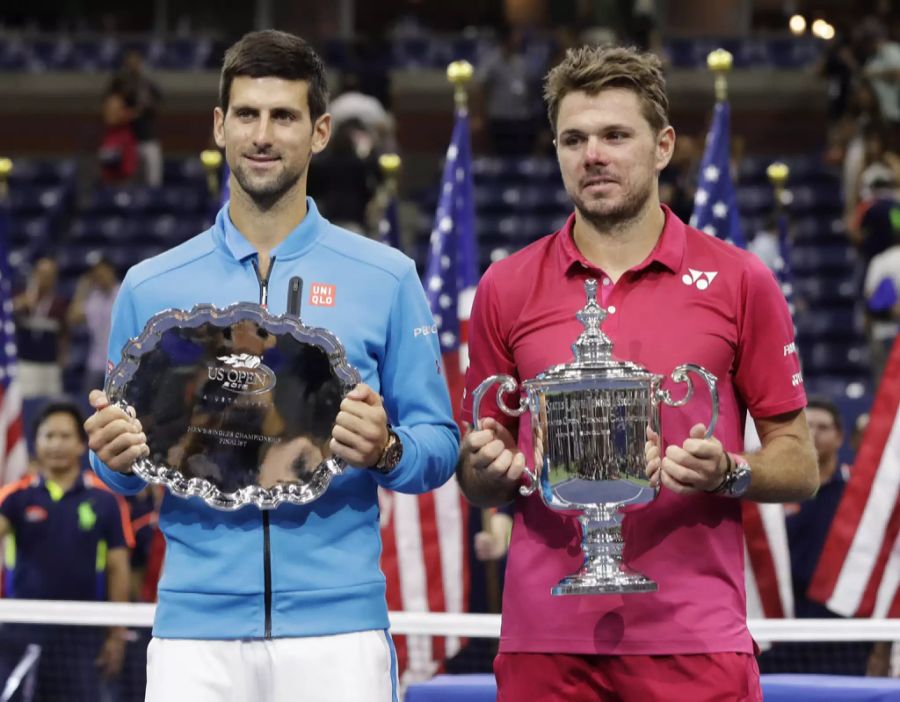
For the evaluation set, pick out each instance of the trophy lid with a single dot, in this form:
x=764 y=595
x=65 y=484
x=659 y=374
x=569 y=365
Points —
x=593 y=350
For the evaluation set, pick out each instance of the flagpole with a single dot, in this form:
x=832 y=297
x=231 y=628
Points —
x=212 y=164
x=778 y=174
x=6 y=166
x=460 y=73
x=719 y=62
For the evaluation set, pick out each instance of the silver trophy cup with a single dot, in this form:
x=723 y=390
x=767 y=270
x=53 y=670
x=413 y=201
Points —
x=589 y=420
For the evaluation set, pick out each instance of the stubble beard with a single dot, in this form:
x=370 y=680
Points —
x=269 y=193
x=612 y=217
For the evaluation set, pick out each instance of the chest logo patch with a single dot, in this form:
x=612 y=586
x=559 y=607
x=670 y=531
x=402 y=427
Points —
x=322 y=294
x=699 y=279
x=87 y=518
x=35 y=514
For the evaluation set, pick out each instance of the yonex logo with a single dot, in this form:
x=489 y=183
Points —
x=701 y=279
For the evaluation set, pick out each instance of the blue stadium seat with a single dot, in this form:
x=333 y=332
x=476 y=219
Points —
x=831 y=358
x=35 y=231
x=755 y=199
x=817 y=259
x=822 y=291
x=813 y=229
x=829 y=322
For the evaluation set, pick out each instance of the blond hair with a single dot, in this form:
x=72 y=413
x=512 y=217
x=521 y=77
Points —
x=591 y=69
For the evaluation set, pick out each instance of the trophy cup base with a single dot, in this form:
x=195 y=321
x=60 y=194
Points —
x=620 y=584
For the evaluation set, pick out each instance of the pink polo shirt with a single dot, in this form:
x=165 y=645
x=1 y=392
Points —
x=695 y=299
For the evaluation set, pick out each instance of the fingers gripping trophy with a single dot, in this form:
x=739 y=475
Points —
x=589 y=420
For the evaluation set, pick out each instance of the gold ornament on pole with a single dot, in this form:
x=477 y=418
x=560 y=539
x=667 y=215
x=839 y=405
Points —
x=778 y=174
x=6 y=166
x=212 y=163
x=390 y=167
x=460 y=73
x=719 y=62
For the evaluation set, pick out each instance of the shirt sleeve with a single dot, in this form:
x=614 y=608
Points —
x=117 y=527
x=489 y=353
x=10 y=507
x=767 y=364
x=123 y=328
x=415 y=393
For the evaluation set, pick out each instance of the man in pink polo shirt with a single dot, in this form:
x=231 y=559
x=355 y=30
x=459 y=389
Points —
x=674 y=295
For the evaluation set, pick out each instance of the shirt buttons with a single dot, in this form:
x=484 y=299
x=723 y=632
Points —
x=606 y=281
x=611 y=309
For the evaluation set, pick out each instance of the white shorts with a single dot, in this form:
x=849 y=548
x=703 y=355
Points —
x=355 y=667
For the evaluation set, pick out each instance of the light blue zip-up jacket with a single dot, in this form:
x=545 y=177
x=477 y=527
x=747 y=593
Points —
x=311 y=570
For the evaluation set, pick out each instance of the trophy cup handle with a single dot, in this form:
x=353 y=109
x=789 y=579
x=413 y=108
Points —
x=680 y=375
x=507 y=384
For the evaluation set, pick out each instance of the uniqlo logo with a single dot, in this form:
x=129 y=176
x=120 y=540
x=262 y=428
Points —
x=322 y=295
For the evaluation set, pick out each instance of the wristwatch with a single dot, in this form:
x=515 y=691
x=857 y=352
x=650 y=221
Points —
x=736 y=482
x=390 y=457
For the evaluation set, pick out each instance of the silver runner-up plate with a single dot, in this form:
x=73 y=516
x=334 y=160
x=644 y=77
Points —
x=237 y=404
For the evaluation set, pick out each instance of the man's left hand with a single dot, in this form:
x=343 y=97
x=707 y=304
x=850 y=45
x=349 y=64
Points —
x=111 y=655
x=360 y=429
x=698 y=465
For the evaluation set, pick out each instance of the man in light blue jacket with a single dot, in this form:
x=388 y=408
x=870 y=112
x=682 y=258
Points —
x=287 y=604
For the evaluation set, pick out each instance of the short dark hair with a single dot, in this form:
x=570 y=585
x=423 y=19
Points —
x=60 y=407
x=270 y=53
x=826 y=405
x=594 y=68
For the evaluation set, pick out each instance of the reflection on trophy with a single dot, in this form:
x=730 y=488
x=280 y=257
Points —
x=238 y=405
x=589 y=420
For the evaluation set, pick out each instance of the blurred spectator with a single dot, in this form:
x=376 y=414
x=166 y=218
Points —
x=840 y=68
x=40 y=318
x=92 y=305
x=876 y=224
x=766 y=245
x=678 y=181
x=882 y=69
x=882 y=295
x=143 y=96
x=343 y=179
x=118 y=152
x=352 y=104
x=808 y=522
x=71 y=543
x=512 y=98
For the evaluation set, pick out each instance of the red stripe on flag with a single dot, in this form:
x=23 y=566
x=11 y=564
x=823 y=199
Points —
x=390 y=564
x=764 y=571
x=850 y=511
x=870 y=594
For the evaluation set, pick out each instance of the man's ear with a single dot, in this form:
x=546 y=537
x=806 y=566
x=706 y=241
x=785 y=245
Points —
x=321 y=133
x=219 y=127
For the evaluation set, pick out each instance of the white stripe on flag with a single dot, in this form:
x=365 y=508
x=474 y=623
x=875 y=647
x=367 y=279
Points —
x=867 y=541
x=413 y=579
x=776 y=534
x=448 y=509
x=889 y=582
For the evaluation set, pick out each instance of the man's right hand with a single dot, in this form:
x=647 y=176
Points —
x=114 y=435
x=492 y=454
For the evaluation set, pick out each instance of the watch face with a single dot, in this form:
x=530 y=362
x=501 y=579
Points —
x=394 y=453
x=741 y=481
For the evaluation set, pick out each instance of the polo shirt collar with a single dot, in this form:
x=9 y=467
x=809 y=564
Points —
x=82 y=483
x=669 y=249
x=303 y=236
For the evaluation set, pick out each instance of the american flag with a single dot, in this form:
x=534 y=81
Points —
x=859 y=570
x=768 y=571
x=13 y=454
x=424 y=537
x=715 y=207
